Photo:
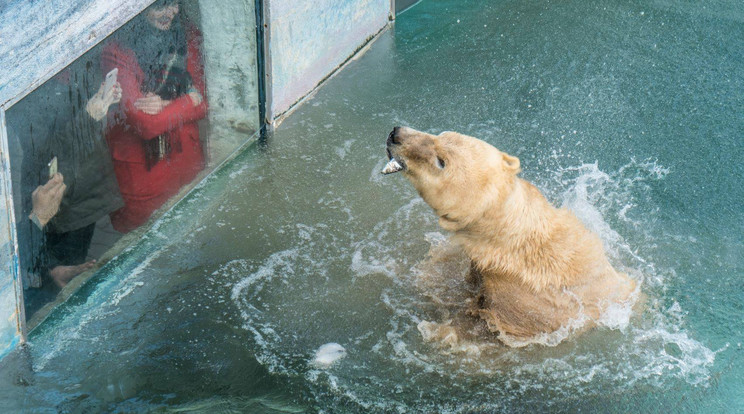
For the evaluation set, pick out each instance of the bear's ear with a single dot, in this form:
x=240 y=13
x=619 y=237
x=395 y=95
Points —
x=449 y=224
x=511 y=163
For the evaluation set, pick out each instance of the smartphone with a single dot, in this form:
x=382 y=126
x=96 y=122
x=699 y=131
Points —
x=52 y=167
x=110 y=80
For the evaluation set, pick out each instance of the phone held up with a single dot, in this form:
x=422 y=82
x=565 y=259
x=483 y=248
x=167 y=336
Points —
x=52 y=167
x=110 y=80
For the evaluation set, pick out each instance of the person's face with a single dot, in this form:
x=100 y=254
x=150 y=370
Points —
x=162 y=17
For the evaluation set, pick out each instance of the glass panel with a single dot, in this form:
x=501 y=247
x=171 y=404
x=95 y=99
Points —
x=117 y=137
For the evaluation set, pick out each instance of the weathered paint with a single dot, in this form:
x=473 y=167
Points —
x=307 y=41
x=39 y=38
x=11 y=304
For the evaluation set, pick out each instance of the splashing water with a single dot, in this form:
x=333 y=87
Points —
x=401 y=309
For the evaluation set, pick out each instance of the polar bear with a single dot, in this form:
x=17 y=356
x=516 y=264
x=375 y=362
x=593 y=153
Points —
x=538 y=269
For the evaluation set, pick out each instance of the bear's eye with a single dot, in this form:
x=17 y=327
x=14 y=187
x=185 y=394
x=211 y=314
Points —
x=440 y=163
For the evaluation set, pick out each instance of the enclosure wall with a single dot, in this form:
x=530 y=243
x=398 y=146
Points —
x=307 y=41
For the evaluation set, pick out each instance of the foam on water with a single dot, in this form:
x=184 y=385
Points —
x=75 y=325
x=404 y=312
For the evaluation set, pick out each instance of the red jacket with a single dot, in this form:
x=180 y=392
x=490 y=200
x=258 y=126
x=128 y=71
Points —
x=146 y=190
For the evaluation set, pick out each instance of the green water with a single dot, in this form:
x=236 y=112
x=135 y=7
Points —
x=629 y=113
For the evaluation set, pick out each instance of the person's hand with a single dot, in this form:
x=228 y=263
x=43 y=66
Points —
x=113 y=95
x=62 y=275
x=151 y=104
x=196 y=97
x=99 y=103
x=46 y=198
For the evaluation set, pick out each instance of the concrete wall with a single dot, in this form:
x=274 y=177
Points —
x=308 y=40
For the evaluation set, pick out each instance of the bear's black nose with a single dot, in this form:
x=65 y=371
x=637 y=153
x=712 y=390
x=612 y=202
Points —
x=393 y=137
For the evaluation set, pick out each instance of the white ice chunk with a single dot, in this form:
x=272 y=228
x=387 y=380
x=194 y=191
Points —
x=327 y=354
x=391 y=167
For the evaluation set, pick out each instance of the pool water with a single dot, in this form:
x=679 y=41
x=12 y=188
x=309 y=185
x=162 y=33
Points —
x=628 y=113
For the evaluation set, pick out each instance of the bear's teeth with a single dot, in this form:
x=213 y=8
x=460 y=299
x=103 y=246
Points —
x=392 y=167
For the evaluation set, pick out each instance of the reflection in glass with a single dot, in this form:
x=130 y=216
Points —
x=111 y=140
x=62 y=172
x=153 y=134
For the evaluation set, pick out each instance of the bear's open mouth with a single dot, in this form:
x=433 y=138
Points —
x=393 y=166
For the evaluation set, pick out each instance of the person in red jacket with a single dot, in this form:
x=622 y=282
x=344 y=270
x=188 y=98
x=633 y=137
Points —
x=153 y=135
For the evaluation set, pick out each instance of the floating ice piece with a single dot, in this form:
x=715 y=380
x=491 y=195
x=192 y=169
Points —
x=392 y=166
x=327 y=354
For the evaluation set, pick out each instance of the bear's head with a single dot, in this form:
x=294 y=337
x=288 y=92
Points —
x=460 y=177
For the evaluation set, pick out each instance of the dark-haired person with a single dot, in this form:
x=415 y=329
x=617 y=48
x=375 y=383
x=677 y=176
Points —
x=154 y=136
x=56 y=216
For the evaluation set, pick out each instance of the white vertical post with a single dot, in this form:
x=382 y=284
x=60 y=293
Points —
x=12 y=316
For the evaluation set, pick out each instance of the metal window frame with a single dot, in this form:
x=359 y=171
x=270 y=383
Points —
x=264 y=66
